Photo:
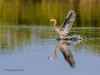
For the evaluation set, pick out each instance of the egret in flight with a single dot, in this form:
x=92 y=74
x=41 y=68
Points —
x=68 y=22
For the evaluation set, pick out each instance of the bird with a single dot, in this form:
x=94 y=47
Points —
x=64 y=48
x=66 y=26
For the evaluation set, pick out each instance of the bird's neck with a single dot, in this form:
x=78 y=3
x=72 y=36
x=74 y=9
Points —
x=55 y=50
x=55 y=22
x=55 y=55
x=56 y=29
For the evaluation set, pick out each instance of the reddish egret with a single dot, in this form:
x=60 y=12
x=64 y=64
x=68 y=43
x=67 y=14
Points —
x=63 y=47
x=64 y=29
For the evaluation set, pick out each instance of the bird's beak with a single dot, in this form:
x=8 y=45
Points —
x=51 y=58
x=50 y=20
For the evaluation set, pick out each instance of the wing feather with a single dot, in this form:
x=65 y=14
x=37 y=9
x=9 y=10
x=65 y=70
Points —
x=67 y=54
x=69 y=20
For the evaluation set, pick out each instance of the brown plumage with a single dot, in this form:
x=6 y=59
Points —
x=68 y=22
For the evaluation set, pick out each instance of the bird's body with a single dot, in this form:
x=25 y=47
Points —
x=64 y=29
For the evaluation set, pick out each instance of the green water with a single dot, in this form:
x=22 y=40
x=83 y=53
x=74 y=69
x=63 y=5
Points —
x=38 y=12
x=18 y=37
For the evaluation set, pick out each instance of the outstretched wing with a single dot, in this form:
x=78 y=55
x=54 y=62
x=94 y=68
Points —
x=69 y=20
x=67 y=55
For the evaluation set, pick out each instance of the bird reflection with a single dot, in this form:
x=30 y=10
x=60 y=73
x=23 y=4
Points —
x=63 y=47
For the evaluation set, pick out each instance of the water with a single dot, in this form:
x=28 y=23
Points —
x=25 y=50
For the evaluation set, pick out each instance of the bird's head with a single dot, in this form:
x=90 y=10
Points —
x=51 y=58
x=53 y=20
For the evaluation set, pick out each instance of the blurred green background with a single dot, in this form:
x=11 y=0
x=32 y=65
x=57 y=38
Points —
x=38 y=12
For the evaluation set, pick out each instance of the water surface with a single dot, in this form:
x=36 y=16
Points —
x=25 y=50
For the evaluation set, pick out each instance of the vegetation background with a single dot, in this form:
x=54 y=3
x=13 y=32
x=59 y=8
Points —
x=38 y=12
